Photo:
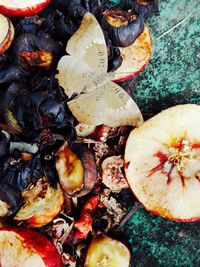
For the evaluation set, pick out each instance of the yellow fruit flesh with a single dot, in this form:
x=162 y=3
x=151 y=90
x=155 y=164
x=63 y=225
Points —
x=70 y=170
x=107 y=252
x=40 y=208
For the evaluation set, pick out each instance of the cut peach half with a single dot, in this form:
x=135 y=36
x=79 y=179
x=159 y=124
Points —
x=22 y=8
x=162 y=163
x=6 y=33
x=135 y=57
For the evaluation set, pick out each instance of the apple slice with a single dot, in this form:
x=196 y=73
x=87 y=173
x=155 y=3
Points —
x=135 y=57
x=6 y=33
x=23 y=247
x=105 y=251
x=22 y=8
x=42 y=204
x=162 y=163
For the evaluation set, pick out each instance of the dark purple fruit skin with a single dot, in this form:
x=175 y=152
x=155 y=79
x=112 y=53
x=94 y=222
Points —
x=30 y=43
x=125 y=35
x=90 y=170
x=145 y=11
x=12 y=196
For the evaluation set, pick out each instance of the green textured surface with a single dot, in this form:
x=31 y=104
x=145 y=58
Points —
x=172 y=77
x=158 y=242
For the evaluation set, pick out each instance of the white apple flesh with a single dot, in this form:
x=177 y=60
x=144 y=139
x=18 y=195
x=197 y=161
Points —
x=22 y=8
x=162 y=163
x=135 y=57
x=25 y=248
x=6 y=33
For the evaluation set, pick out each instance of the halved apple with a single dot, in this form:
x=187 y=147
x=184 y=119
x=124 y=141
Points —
x=105 y=251
x=162 y=163
x=135 y=57
x=23 y=247
x=22 y=8
x=42 y=203
x=6 y=33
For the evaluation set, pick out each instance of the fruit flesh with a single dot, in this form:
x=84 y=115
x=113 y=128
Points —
x=135 y=57
x=163 y=163
x=70 y=170
x=105 y=251
x=23 y=3
x=6 y=34
x=26 y=7
x=40 y=207
x=14 y=252
x=4 y=28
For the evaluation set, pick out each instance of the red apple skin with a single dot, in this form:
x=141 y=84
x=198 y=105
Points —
x=125 y=78
x=23 y=12
x=40 y=244
x=9 y=38
x=129 y=76
x=157 y=213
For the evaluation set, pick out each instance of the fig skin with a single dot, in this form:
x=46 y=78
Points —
x=10 y=200
x=36 y=25
x=34 y=111
x=146 y=10
x=124 y=35
x=19 y=173
x=90 y=170
x=33 y=51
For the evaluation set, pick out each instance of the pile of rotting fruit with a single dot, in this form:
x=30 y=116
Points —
x=59 y=177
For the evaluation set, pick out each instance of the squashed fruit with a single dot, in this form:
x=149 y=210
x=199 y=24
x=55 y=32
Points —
x=42 y=204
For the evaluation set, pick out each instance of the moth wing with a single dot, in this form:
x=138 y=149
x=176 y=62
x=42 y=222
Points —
x=88 y=44
x=74 y=76
x=110 y=105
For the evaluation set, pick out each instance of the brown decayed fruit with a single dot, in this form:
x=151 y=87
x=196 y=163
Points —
x=42 y=204
x=70 y=170
x=162 y=163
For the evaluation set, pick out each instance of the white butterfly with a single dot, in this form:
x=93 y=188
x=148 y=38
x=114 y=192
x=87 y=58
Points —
x=84 y=71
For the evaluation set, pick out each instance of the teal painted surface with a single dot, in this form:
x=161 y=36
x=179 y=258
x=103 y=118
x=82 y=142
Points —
x=172 y=77
x=157 y=242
